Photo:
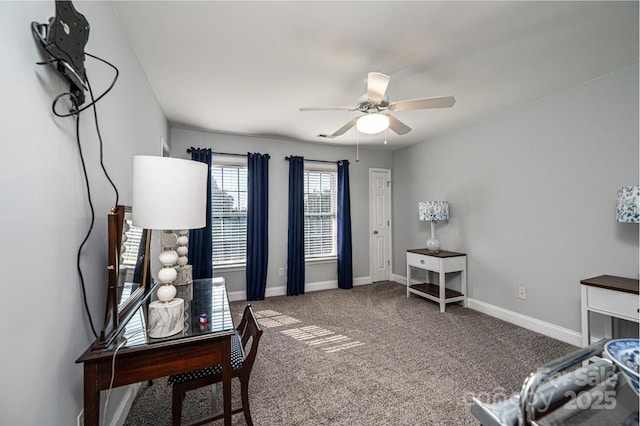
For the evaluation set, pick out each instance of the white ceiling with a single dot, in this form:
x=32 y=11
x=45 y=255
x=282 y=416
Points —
x=246 y=67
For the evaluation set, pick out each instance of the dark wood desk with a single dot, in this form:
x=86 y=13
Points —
x=139 y=358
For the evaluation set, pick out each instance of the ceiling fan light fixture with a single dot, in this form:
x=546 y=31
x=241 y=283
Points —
x=372 y=123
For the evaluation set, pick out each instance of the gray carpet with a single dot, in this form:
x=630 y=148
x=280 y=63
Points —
x=389 y=360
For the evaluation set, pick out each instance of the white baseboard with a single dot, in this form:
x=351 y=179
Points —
x=308 y=287
x=551 y=330
x=399 y=279
x=125 y=405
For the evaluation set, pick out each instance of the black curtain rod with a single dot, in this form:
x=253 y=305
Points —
x=221 y=153
x=318 y=161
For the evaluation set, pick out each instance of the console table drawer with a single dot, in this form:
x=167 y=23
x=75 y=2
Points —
x=426 y=262
x=620 y=303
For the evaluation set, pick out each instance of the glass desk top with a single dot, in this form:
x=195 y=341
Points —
x=204 y=296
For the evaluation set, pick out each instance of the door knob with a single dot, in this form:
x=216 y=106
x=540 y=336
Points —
x=375 y=232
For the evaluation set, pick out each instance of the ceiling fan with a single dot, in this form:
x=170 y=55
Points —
x=374 y=105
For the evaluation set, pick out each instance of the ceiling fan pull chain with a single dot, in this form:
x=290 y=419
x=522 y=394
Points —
x=385 y=136
x=357 y=146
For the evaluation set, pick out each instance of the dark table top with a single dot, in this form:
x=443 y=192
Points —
x=204 y=296
x=441 y=253
x=610 y=282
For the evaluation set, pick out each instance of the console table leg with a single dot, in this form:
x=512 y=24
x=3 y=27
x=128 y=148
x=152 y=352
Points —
x=442 y=290
x=584 y=313
x=91 y=396
x=408 y=278
x=463 y=284
x=226 y=380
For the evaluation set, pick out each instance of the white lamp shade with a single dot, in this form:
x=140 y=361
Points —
x=169 y=193
x=433 y=210
x=372 y=123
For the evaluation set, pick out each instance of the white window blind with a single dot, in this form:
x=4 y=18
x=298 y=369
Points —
x=229 y=214
x=320 y=232
x=131 y=245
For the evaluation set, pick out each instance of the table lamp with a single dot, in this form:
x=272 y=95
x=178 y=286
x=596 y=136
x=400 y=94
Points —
x=627 y=210
x=433 y=211
x=168 y=193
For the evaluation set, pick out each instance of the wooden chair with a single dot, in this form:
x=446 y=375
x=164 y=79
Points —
x=248 y=331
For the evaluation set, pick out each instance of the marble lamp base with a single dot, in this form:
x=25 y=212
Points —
x=166 y=318
x=184 y=275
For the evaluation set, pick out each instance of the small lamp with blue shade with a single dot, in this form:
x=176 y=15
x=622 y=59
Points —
x=433 y=211
x=628 y=209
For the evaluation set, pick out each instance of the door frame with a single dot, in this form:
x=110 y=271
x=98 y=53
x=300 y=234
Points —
x=389 y=234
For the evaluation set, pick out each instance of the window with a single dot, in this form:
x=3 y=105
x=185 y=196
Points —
x=229 y=212
x=320 y=233
x=129 y=256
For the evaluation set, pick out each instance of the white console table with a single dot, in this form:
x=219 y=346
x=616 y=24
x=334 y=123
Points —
x=441 y=262
x=608 y=295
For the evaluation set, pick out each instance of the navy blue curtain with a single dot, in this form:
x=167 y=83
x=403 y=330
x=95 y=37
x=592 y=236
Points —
x=257 y=224
x=140 y=261
x=295 y=250
x=201 y=240
x=345 y=266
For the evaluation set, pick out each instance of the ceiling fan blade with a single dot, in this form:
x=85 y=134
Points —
x=334 y=108
x=377 y=86
x=342 y=130
x=398 y=126
x=424 y=103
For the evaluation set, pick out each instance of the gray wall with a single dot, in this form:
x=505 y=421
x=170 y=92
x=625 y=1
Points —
x=278 y=193
x=532 y=195
x=44 y=209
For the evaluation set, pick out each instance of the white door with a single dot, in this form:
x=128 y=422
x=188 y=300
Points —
x=380 y=223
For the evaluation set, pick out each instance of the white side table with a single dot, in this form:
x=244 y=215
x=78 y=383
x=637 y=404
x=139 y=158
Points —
x=608 y=295
x=441 y=262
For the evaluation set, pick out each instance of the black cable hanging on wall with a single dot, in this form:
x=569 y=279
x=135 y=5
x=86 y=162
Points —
x=75 y=111
x=86 y=238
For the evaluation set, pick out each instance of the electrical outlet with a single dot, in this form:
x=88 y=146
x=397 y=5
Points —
x=522 y=293
x=281 y=271
x=80 y=420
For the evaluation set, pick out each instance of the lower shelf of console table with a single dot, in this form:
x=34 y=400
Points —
x=433 y=290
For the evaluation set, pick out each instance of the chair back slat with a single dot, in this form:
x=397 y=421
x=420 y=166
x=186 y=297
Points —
x=250 y=330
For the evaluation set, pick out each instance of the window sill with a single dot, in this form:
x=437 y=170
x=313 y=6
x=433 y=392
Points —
x=230 y=268
x=320 y=260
